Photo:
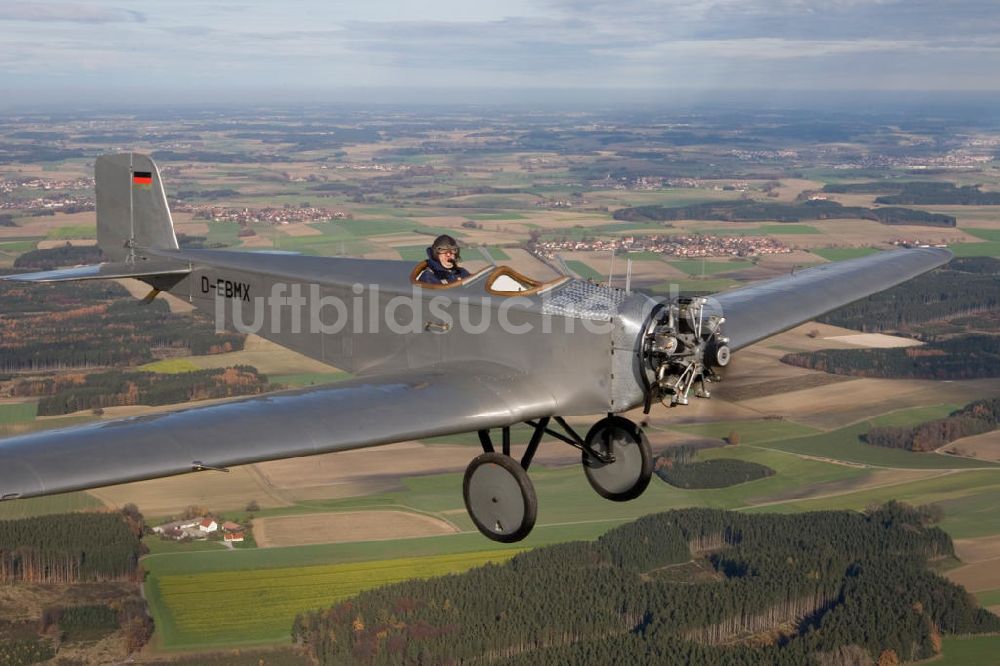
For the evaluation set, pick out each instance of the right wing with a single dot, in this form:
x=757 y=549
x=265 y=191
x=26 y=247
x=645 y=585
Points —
x=761 y=310
x=447 y=399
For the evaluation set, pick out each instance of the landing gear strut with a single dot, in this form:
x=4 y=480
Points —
x=500 y=497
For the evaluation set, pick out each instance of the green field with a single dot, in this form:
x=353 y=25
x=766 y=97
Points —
x=989 y=598
x=967 y=497
x=498 y=254
x=914 y=416
x=414 y=253
x=990 y=249
x=842 y=253
x=43 y=506
x=240 y=607
x=73 y=232
x=377 y=227
x=751 y=432
x=170 y=366
x=225 y=233
x=733 y=231
x=700 y=267
x=689 y=286
x=986 y=234
x=18 y=412
x=584 y=271
x=158 y=546
x=845 y=444
x=975 y=651
x=789 y=229
x=487 y=217
x=18 y=246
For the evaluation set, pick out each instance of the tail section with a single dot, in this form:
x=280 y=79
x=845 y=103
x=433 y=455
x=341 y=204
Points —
x=132 y=208
x=132 y=215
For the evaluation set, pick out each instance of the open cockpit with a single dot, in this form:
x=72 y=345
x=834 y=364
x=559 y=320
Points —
x=498 y=281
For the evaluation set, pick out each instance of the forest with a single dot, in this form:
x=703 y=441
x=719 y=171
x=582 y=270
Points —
x=975 y=418
x=779 y=589
x=962 y=357
x=67 y=255
x=963 y=286
x=85 y=555
x=677 y=466
x=65 y=394
x=715 y=473
x=920 y=193
x=757 y=211
x=71 y=548
x=95 y=324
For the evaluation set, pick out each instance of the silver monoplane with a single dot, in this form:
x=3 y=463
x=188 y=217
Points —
x=478 y=356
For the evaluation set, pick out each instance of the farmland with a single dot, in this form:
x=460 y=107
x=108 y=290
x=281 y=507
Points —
x=241 y=607
x=414 y=177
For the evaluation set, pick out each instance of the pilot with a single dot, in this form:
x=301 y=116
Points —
x=442 y=262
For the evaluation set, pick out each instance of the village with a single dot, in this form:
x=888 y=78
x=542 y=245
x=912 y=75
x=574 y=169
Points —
x=671 y=246
x=269 y=215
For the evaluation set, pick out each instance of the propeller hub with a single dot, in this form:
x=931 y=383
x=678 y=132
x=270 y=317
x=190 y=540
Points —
x=683 y=345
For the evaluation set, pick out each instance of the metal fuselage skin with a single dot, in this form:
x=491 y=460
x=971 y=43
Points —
x=366 y=316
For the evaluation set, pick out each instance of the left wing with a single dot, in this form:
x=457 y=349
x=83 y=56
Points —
x=360 y=412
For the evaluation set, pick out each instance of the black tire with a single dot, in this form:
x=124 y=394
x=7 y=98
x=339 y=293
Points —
x=628 y=476
x=500 y=497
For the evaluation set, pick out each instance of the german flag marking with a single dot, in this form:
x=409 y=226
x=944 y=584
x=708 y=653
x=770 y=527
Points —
x=142 y=177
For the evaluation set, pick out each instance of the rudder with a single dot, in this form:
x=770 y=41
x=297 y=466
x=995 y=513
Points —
x=132 y=209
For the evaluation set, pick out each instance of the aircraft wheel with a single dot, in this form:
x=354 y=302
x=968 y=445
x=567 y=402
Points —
x=499 y=497
x=627 y=477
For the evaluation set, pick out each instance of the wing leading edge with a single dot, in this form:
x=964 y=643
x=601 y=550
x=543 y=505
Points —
x=762 y=310
x=352 y=414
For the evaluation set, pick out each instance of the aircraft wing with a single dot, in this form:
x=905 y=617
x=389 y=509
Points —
x=352 y=414
x=765 y=309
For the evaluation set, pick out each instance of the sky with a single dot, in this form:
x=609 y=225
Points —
x=199 y=50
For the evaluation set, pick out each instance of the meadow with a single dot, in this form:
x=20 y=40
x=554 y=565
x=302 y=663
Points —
x=258 y=606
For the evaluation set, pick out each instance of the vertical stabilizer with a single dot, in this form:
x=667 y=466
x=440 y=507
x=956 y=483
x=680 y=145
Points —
x=132 y=208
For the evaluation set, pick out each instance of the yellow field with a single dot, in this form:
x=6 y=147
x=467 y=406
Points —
x=216 y=608
x=170 y=366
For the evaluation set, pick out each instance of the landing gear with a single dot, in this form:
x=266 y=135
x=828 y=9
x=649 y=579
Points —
x=499 y=495
x=617 y=460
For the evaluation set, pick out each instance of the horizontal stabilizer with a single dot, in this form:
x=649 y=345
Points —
x=139 y=269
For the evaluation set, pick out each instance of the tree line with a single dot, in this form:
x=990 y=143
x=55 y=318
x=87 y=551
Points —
x=67 y=394
x=972 y=419
x=66 y=255
x=962 y=357
x=963 y=286
x=760 y=211
x=919 y=193
x=842 y=580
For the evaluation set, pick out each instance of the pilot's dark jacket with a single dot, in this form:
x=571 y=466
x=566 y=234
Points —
x=436 y=273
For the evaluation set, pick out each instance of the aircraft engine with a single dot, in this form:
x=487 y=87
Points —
x=684 y=345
